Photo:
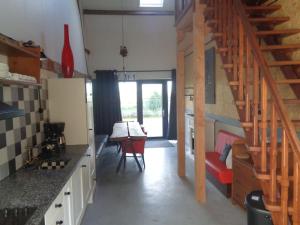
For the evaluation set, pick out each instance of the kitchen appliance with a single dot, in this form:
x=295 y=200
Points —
x=55 y=140
x=15 y=216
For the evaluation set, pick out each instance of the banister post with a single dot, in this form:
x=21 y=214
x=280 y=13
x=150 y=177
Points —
x=199 y=101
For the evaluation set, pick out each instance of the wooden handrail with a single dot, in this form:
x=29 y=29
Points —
x=261 y=107
x=278 y=102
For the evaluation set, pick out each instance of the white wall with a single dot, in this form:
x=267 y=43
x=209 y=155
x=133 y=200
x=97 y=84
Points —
x=150 y=40
x=42 y=21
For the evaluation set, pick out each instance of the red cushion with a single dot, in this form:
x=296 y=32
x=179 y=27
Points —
x=217 y=168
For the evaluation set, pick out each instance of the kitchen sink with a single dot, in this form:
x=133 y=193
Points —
x=16 y=216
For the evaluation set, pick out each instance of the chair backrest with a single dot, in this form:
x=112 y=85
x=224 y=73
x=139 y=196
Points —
x=133 y=145
x=225 y=137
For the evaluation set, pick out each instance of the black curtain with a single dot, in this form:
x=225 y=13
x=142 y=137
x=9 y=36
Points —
x=106 y=99
x=172 y=132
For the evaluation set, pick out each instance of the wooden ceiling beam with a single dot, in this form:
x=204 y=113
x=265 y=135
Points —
x=128 y=12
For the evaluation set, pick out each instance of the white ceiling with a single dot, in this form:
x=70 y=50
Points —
x=128 y=5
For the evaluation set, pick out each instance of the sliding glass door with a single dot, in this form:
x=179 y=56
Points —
x=152 y=105
x=148 y=103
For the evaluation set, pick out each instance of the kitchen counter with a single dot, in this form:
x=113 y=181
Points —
x=30 y=187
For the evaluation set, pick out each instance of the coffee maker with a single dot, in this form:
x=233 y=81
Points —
x=55 y=140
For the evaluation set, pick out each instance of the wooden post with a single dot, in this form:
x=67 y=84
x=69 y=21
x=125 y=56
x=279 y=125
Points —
x=199 y=101
x=180 y=110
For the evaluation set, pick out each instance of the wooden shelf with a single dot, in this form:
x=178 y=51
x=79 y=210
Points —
x=18 y=82
x=11 y=47
x=22 y=60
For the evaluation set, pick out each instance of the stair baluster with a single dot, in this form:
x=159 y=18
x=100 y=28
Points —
x=273 y=155
x=245 y=65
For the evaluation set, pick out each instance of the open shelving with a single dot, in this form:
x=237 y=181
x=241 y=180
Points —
x=22 y=60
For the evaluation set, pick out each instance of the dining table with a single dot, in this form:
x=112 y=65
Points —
x=127 y=131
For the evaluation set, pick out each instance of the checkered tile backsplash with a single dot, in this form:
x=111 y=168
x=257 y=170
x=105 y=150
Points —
x=17 y=134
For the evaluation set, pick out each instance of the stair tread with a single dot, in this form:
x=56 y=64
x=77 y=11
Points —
x=285 y=81
x=280 y=47
x=263 y=8
x=284 y=63
x=269 y=20
x=277 y=32
x=281 y=32
x=286 y=47
x=271 y=64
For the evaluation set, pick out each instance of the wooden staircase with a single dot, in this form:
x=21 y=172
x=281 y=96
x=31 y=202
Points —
x=271 y=133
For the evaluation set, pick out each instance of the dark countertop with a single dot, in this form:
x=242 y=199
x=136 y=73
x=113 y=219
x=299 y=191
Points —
x=30 y=187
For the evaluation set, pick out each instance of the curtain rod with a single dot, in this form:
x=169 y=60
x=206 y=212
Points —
x=142 y=71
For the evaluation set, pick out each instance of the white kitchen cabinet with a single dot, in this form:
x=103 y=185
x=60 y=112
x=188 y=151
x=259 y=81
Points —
x=187 y=134
x=68 y=196
x=55 y=213
x=189 y=129
x=86 y=179
x=77 y=193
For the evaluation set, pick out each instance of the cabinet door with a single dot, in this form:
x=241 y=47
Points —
x=187 y=134
x=68 y=203
x=55 y=213
x=92 y=157
x=86 y=179
x=77 y=195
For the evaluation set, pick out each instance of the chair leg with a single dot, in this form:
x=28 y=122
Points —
x=143 y=161
x=137 y=162
x=118 y=148
x=120 y=162
x=124 y=165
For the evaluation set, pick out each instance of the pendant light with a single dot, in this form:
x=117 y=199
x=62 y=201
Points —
x=123 y=48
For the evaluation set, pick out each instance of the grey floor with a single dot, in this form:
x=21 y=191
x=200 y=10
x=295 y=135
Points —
x=156 y=196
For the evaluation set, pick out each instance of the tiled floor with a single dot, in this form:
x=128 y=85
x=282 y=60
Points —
x=156 y=196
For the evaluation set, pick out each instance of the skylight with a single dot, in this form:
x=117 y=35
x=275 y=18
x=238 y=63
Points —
x=151 y=3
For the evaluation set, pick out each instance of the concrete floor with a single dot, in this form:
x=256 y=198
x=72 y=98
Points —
x=156 y=196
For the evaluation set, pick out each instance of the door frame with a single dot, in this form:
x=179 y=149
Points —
x=165 y=115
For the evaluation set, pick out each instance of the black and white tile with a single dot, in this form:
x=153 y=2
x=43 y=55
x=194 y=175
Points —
x=17 y=134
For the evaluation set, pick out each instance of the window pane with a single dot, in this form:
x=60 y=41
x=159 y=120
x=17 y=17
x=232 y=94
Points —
x=128 y=100
x=151 y=3
x=152 y=109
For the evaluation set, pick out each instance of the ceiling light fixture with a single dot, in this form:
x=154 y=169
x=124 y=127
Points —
x=123 y=48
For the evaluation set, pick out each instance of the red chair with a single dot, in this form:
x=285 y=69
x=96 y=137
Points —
x=135 y=147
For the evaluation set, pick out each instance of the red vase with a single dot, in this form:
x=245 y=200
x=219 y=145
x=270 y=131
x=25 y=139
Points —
x=67 y=61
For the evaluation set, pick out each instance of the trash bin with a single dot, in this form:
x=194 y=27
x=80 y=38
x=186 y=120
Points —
x=256 y=211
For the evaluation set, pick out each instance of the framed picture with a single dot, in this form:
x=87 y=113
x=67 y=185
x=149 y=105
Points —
x=210 y=76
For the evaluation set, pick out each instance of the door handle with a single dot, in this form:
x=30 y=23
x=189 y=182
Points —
x=58 y=205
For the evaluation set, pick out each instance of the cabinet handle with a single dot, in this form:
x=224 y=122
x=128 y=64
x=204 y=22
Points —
x=83 y=166
x=58 y=205
x=59 y=222
x=88 y=155
x=68 y=193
